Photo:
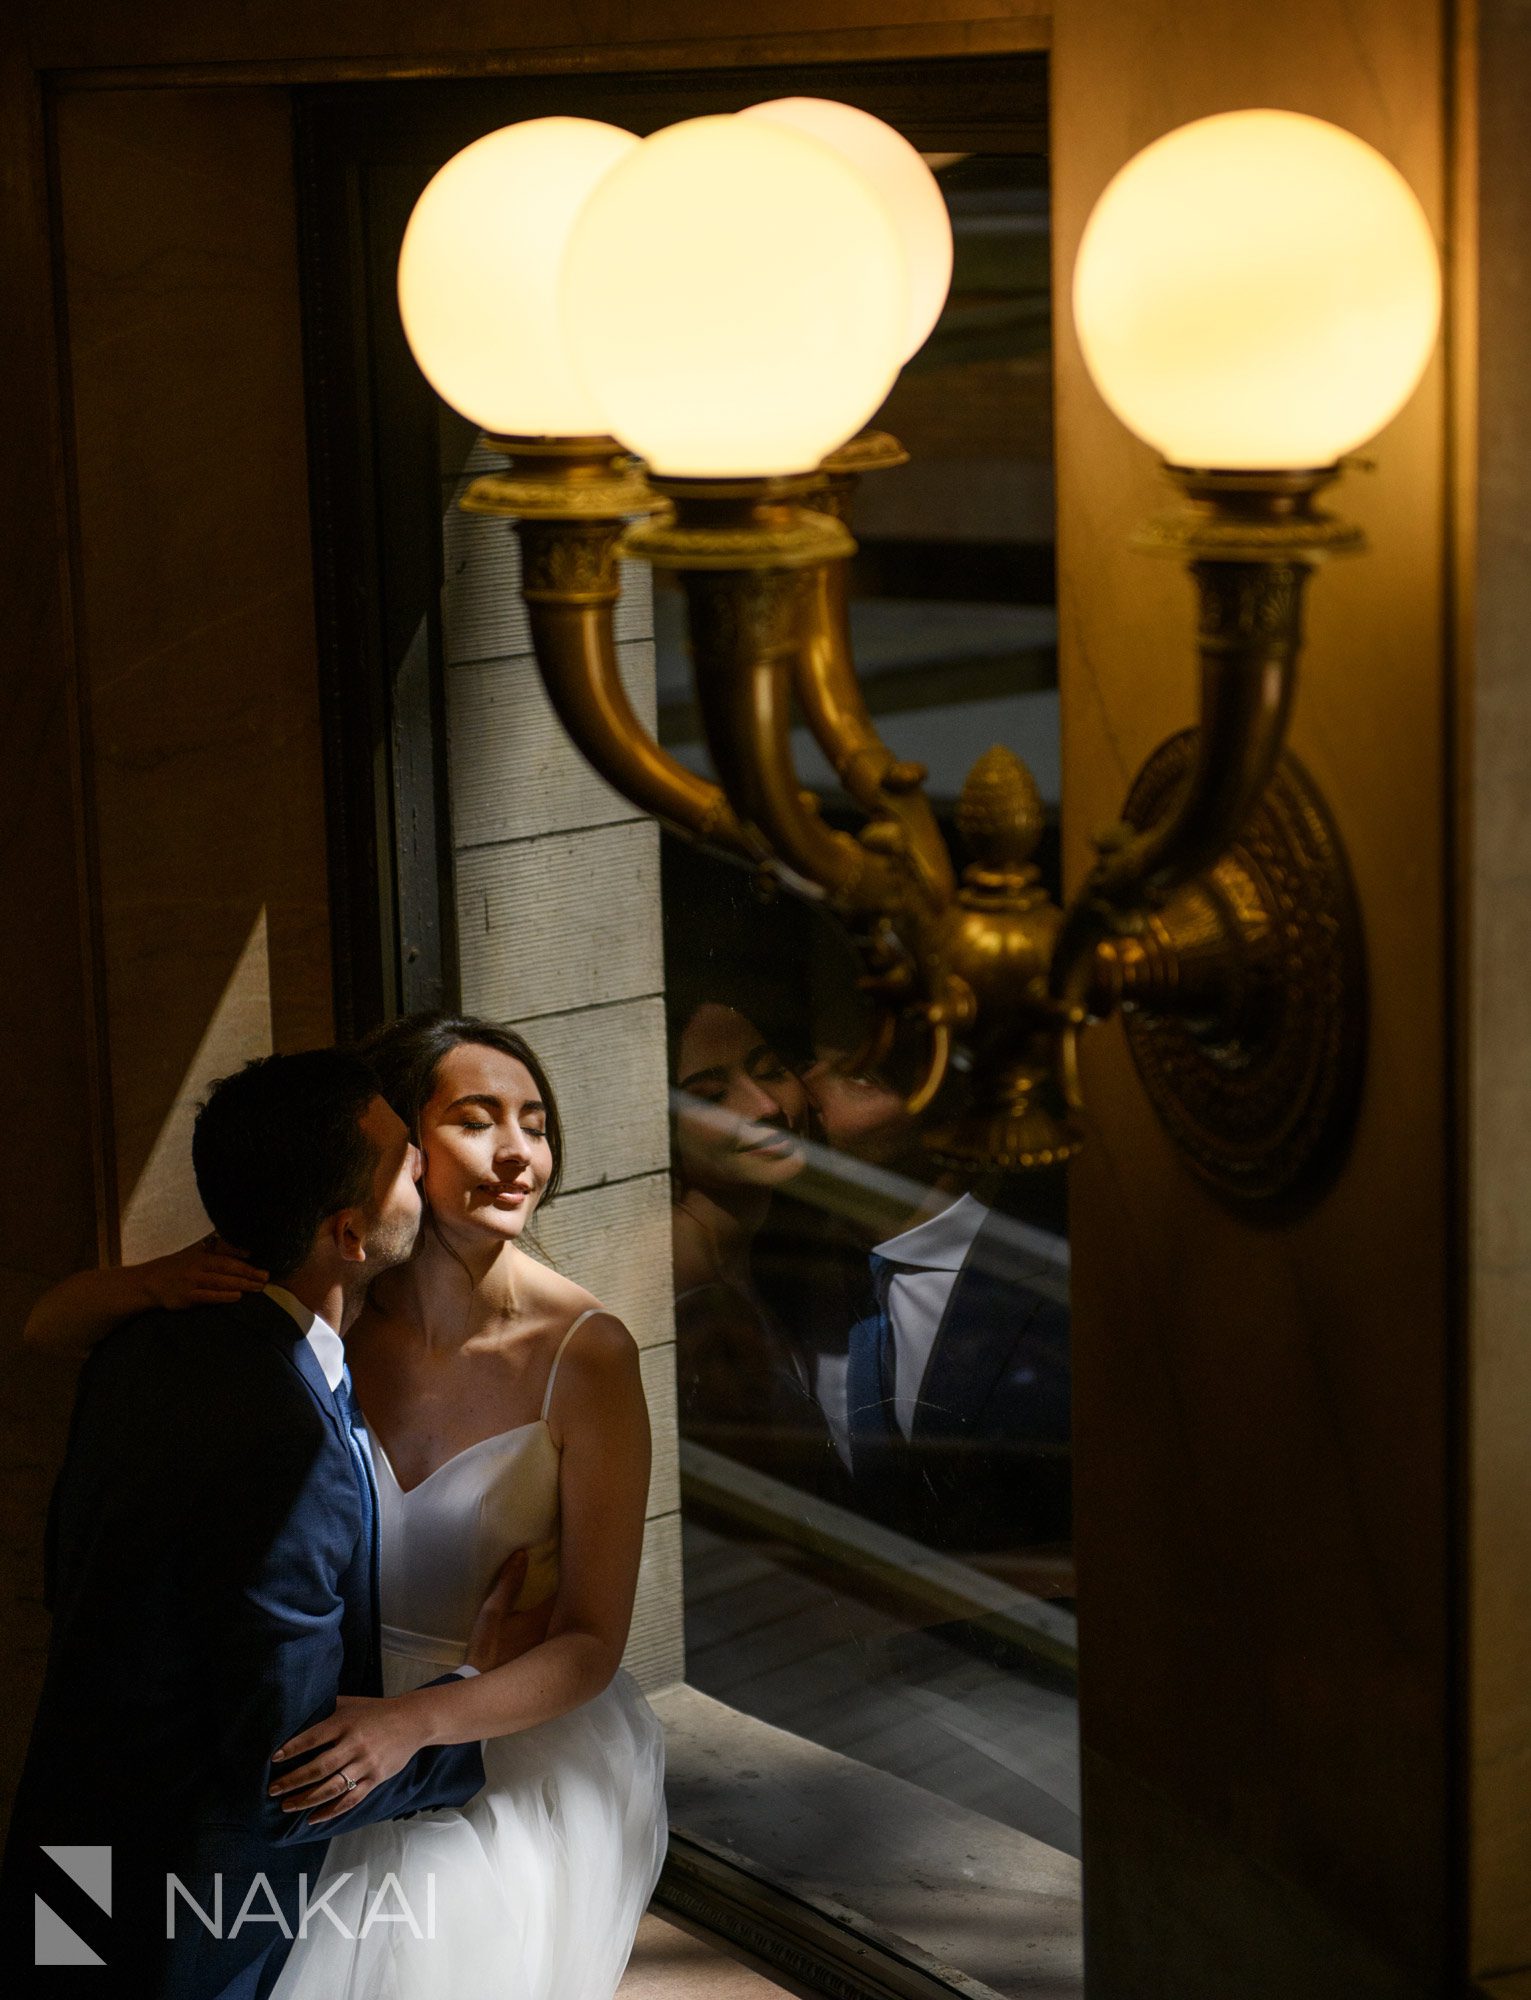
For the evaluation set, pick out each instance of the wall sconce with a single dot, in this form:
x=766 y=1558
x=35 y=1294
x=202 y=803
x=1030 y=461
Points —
x=676 y=343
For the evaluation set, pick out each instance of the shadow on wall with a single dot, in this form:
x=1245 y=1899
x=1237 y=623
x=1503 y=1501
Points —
x=160 y=1211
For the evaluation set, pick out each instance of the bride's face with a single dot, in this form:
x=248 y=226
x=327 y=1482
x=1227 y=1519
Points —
x=744 y=1110
x=484 y=1134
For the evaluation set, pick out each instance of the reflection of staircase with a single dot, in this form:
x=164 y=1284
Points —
x=775 y=1638
x=925 y=1586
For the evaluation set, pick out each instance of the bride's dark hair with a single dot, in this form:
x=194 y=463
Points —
x=406 y=1055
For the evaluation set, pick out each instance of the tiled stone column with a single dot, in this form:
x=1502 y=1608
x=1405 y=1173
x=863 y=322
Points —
x=558 y=927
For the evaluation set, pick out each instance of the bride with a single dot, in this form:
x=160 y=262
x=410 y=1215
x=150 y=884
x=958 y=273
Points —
x=506 y=1413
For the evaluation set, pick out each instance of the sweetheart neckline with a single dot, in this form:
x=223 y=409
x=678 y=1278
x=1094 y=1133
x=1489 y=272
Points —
x=499 y=1437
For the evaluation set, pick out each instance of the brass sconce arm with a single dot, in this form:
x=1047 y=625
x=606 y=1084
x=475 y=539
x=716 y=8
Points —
x=747 y=715
x=750 y=558
x=829 y=693
x=1251 y=541
x=1223 y=857
x=572 y=634
x=570 y=499
x=1247 y=682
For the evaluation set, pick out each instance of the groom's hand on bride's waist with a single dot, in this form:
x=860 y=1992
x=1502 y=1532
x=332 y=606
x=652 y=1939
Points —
x=501 y=1633
x=332 y=1766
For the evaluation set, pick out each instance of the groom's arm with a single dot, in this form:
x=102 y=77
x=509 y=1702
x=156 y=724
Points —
x=271 y=1524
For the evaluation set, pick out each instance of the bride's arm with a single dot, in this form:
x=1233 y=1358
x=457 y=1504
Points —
x=602 y=1491
x=78 y=1311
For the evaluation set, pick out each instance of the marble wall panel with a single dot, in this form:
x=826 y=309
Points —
x=50 y=1101
x=195 y=793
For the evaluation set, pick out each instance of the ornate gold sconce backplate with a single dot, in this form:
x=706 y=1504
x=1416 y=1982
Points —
x=1260 y=1091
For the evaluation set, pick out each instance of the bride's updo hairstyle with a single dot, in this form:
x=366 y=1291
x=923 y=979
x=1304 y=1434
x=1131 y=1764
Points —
x=407 y=1055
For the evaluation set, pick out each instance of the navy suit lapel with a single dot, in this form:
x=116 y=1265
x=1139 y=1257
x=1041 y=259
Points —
x=276 y=1324
x=265 y=1316
x=987 y=1313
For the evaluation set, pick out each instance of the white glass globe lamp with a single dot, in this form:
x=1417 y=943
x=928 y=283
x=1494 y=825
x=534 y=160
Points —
x=907 y=186
x=1257 y=291
x=479 y=272
x=735 y=297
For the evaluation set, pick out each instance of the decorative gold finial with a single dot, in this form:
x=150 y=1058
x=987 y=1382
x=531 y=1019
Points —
x=1001 y=818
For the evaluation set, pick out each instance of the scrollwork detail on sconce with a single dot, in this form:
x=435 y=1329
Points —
x=1247 y=602
x=568 y=562
x=734 y=611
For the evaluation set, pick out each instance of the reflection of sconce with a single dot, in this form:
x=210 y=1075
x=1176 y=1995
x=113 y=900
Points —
x=1255 y=295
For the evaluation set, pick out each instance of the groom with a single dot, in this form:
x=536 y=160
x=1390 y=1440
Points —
x=212 y=1568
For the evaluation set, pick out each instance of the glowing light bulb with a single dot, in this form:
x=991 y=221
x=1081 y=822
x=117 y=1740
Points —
x=1257 y=290
x=479 y=272
x=907 y=186
x=735 y=297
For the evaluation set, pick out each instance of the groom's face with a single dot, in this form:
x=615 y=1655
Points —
x=394 y=1222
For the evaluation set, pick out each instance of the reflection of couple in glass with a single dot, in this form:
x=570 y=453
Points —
x=915 y=1368
x=280 y=1632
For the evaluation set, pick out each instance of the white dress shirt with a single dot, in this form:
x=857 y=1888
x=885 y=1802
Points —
x=329 y=1348
x=330 y=1353
x=929 y=1257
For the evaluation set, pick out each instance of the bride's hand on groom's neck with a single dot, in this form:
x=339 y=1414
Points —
x=205 y=1273
x=74 y=1314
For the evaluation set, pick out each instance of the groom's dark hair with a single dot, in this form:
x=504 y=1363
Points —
x=278 y=1146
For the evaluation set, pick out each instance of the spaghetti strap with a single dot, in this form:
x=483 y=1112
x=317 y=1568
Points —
x=590 y=1312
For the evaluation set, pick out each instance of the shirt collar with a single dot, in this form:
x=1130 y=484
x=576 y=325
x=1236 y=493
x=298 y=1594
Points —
x=329 y=1348
x=942 y=1242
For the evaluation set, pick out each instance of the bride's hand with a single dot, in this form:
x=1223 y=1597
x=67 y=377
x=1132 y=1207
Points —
x=501 y=1634
x=205 y=1273
x=367 y=1739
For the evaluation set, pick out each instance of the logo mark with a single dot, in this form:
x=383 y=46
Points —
x=56 y=1942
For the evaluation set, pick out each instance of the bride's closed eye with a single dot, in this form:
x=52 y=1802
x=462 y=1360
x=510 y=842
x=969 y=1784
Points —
x=479 y=1125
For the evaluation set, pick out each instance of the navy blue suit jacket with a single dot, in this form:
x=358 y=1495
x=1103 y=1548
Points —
x=213 y=1589
x=986 y=1464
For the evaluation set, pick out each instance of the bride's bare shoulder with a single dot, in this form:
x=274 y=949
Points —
x=561 y=1299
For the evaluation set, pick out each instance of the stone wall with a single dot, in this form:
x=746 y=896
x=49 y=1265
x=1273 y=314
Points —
x=558 y=926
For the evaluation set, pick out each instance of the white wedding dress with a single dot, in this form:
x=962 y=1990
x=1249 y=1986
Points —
x=534 y=1889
